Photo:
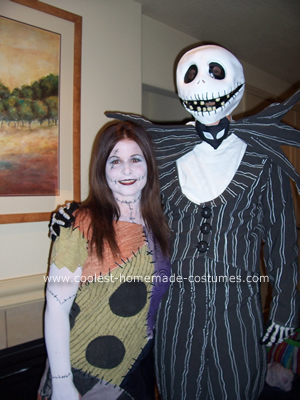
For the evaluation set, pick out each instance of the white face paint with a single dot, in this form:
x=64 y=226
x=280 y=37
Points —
x=210 y=82
x=126 y=171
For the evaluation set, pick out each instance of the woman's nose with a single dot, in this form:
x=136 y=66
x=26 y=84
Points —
x=127 y=168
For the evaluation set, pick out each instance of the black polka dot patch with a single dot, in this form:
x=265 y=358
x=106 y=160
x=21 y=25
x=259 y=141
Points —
x=129 y=299
x=74 y=312
x=105 y=352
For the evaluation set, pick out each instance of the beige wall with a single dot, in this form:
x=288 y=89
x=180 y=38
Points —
x=162 y=47
x=122 y=52
x=111 y=80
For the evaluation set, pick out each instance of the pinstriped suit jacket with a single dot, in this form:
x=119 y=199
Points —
x=256 y=206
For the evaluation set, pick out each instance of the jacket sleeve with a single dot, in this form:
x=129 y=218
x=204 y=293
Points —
x=280 y=247
x=170 y=141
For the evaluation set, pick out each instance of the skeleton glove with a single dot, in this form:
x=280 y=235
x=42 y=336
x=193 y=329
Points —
x=276 y=334
x=63 y=217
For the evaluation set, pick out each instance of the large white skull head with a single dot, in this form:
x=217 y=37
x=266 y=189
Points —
x=210 y=83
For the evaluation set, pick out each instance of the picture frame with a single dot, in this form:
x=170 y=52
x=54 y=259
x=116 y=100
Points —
x=18 y=209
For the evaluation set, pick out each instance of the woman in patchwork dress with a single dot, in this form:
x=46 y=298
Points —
x=108 y=272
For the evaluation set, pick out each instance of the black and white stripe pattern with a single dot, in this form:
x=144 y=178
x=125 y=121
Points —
x=208 y=333
x=207 y=337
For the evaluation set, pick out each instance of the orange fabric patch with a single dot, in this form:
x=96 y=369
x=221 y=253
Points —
x=130 y=238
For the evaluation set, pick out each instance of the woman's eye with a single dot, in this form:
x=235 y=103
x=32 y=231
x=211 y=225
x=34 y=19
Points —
x=114 y=162
x=135 y=160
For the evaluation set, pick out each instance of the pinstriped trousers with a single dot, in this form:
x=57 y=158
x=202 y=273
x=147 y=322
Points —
x=207 y=337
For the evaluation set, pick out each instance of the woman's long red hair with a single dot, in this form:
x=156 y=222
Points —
x=100 y=204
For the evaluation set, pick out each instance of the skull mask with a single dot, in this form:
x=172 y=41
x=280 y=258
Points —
x=210 y=83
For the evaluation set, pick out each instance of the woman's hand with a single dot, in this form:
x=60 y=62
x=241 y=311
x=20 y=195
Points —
x=64 y=390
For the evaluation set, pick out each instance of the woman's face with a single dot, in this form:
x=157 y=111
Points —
x=126 y=170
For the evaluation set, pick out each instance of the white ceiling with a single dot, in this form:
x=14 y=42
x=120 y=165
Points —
x=264 y=33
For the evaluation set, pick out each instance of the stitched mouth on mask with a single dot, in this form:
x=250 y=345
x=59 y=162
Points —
x=212 y=104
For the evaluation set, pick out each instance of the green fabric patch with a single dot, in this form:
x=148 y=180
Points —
x=69 y=249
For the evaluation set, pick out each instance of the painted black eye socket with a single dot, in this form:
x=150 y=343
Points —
x=191 y=74
x=216 y=71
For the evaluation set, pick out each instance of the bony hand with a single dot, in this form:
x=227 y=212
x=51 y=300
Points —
x=63 y=217
x=276 y=334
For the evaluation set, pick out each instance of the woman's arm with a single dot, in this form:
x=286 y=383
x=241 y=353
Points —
x=60 y=293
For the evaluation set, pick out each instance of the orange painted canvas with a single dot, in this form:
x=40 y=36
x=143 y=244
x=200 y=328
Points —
x=29 y=110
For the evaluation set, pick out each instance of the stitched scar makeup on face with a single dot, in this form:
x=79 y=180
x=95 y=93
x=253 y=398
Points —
x=126 y=170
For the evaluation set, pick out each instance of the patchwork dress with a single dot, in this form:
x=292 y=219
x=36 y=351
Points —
x=112 y=317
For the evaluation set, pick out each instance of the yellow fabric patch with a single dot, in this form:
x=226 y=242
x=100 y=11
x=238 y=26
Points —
x=69 y=249
x=96 y=318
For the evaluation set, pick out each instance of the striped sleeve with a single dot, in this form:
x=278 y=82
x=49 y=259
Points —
x=280 y=248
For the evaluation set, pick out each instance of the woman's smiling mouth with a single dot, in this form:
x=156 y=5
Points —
x=127 y=181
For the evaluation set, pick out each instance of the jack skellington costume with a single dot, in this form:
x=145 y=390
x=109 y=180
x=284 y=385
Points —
x=226 y=189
